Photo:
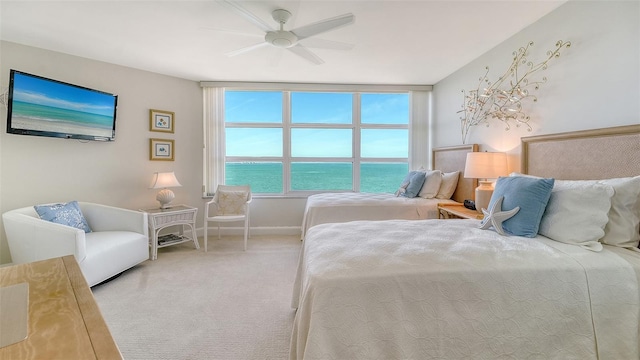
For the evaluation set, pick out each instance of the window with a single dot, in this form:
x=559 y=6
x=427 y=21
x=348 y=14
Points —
x=290 y=139
x=287 y=142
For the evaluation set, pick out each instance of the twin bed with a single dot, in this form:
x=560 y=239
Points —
x=345 y=207
x=445 y=289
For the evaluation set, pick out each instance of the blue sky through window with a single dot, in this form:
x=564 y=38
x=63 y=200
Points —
x=385 y=108
x=326 y=108
x=315 y=108
x=253 y=106
x=254 y=142
x=321 y=142
x=385 y=143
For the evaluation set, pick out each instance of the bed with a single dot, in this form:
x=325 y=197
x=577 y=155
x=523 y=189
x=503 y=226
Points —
x=445 y=289
x=343 y=207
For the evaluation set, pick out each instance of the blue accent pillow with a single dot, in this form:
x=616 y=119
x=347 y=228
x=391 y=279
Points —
x=415 y=184
x=66 y=214
x=531 y=195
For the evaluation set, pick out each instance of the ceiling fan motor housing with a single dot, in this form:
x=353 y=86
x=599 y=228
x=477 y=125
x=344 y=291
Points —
x=281 y=38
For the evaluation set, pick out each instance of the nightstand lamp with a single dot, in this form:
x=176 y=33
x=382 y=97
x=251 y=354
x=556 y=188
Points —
x=485 y=165
x=164 y=180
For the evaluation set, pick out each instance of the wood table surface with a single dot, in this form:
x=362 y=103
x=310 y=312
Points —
x=64 y=321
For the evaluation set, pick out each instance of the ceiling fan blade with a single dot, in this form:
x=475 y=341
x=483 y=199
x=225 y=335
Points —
x=324 y=26
x=306 y=54
x=234 y=6
x=246 y=49
x=326 y=44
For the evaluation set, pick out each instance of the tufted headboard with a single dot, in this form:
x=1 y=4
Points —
x=453 y=158
x=584 y=155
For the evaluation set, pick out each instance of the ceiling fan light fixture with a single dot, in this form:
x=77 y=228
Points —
x=281 y=38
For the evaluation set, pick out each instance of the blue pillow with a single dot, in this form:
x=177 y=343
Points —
x=66 y=214
x=415 y=184
x=405 y=183
x=531 y=195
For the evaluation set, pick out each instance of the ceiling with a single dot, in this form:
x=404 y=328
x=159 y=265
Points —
x=396 y=42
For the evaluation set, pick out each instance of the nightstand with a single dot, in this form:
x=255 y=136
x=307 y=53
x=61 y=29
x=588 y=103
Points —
x=174 y=215
x=457 y=211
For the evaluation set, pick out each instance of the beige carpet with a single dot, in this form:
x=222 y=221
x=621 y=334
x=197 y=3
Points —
x=188 y=304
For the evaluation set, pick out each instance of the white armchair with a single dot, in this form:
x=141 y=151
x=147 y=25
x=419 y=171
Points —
x=118 y=241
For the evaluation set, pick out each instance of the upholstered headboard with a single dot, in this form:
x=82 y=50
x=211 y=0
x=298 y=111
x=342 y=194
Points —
x=453 y=158
x=584 y=155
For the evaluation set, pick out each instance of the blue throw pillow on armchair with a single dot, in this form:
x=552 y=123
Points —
x=66 y=214
x=531 y=195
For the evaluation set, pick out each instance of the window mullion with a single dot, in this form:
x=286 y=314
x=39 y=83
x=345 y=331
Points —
x=321 y=126
x=286 y=140
x=323 y=159
x=253 y=125
x=357 y=114
x=384 y=126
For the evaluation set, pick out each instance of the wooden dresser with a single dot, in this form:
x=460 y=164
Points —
x=64 y=321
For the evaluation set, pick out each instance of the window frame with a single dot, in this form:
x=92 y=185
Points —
x=214 y=160
x=287 y=125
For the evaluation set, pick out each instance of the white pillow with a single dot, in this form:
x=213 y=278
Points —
x=623 y=229
x=577 y=213
x=431 y=186
x=448 y=185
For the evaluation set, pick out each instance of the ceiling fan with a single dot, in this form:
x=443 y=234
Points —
x=292 y=40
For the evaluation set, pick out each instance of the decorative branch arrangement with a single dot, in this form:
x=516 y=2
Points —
x=501 y=100
x=4 y=97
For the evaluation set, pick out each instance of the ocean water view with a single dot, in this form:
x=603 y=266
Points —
x=266 y=177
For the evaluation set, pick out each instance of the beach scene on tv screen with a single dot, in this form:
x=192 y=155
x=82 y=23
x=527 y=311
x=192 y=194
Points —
x=45 y=105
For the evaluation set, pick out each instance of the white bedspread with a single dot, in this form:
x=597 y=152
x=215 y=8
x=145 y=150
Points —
x=437 y=289
x=344 y=207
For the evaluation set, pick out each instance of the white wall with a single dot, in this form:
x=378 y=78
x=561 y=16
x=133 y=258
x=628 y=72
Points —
x=594 y=84
x=37 y=170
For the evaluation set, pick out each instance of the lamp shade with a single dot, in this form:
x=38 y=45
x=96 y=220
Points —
x=162 y=180
x=485 y=165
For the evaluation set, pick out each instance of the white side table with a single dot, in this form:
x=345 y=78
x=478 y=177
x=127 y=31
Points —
x=174 y=215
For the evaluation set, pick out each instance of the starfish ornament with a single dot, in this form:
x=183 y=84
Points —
x=495 y=216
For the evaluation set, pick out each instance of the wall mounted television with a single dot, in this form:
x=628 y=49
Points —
x=45 y=107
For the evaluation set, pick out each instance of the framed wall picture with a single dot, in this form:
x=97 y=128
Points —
x=161 y=149
x=160 y=120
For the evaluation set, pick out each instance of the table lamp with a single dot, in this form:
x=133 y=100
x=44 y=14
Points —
x=485 y=165
x=164 y=180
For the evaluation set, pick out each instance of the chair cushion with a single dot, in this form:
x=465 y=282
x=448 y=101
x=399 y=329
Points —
x=111 y=252
x=64 y=213
x=231 y=202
